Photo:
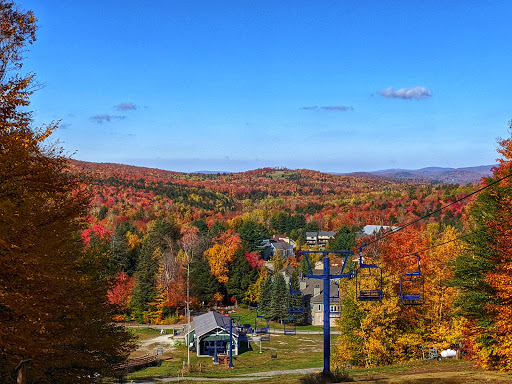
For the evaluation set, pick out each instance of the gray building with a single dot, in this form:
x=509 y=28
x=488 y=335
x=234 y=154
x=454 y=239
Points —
x=211 y=335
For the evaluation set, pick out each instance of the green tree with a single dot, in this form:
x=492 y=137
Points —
x=52 y=289
x=279 y=298
x=350 y=340
x=253 y=233
x=297 y=300
x=483 y=274
x=145 y=291
x=203 y=284
x=266 y=297
x=125 y=257
x=217 y=228
x=311 y=227
x=241 y=277
x=201 y=225
x=163 y=236
x=344 y=240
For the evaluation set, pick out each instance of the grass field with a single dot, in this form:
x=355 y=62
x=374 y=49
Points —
x=293 y=352
x=301 y=351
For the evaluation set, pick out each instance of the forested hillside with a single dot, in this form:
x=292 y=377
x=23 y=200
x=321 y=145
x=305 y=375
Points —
x=136 y=212
x=156 y=225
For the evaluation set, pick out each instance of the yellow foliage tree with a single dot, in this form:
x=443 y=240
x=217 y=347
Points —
x=222 y=254
x=220 y=257
x=253 y=293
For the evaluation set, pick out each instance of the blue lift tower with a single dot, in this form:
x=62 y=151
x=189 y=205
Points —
x=326 y=276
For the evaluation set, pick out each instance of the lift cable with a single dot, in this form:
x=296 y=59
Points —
x=391 y=233
x=446 y=242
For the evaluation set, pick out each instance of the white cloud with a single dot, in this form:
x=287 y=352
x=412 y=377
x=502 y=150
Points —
x=329 y=108
x=406 y=93
x=108 y=118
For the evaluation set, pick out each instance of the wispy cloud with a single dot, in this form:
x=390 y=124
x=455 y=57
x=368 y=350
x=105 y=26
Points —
x=126 y=107
x=108 y=118
x=406 y=93
x=340 y=108
x=64 y=125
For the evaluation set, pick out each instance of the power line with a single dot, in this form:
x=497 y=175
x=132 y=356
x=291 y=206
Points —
x=437 y=210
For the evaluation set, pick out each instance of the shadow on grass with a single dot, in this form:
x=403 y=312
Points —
x=336 y=376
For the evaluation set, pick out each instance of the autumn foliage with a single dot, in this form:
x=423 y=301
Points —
x=84 y=243
x=53 y=291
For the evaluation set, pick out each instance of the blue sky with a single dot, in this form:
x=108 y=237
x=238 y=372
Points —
x=336 y=86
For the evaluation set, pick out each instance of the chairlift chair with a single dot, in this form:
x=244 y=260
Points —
x=290 y=326
x=412 y=286
x=260 y=329
x=295 y=297
x=369 y=285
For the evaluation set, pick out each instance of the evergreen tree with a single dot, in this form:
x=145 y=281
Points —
x=253 y=233
x=203 y=285
x=264 y=307
x=163 y=236
x=145 y=291
x=304 y=265
x=125 y=257
x=217 y=228
x=52 y=290
x=344 y=240
x=201 y=225
x=279 y=298
x=297 y=300
x=241 y=277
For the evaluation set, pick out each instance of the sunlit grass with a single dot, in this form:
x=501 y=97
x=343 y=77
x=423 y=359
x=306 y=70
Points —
x=293 y=352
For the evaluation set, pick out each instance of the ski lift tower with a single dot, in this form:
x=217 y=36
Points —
x=326 y=276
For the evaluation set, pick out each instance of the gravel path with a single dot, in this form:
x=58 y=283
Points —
x=241 y=378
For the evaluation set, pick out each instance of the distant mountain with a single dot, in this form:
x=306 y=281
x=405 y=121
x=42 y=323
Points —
x=212 y=172
x=460 y=176
x=464 y=175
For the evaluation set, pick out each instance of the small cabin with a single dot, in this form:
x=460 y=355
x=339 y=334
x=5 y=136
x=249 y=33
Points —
x=211 y=335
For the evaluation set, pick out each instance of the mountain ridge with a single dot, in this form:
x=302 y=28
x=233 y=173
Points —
x=463 y=175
